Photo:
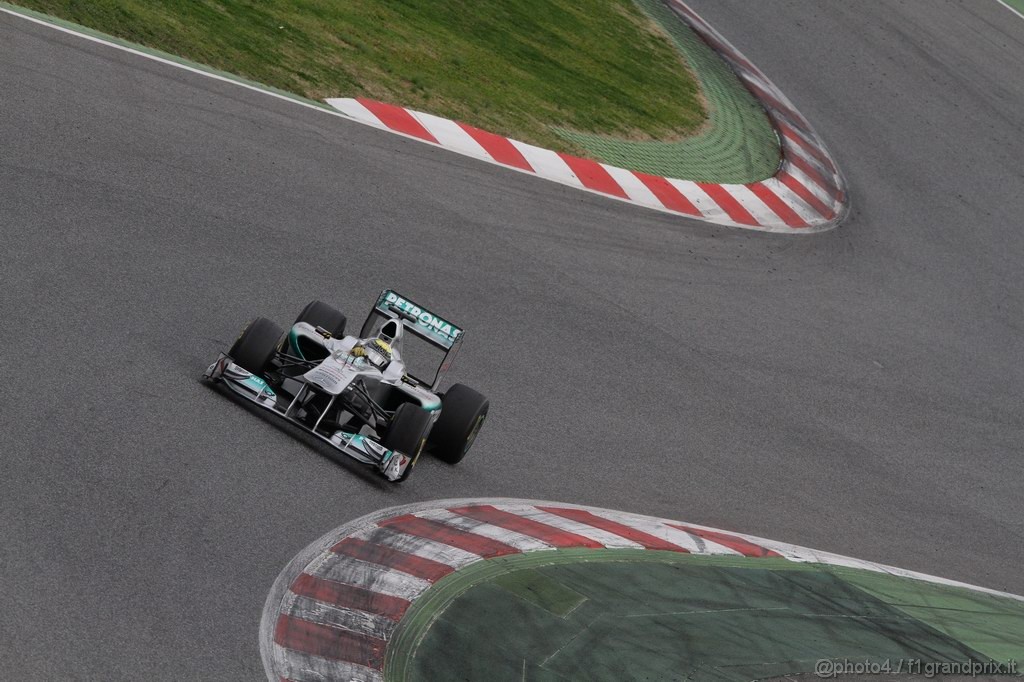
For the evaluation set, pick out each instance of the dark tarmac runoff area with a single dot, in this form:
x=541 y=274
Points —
x=857 y=391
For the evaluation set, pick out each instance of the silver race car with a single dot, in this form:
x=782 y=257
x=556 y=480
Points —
x=356 y=392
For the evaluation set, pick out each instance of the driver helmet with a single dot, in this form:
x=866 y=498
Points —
x=378 y=353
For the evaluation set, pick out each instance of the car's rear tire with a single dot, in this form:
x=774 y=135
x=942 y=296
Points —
x=255 y=346
x=463 y=411
x=407 y=433
x=319 y=314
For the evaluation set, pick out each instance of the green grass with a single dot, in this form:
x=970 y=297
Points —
x=1016 y=4
x=635 y=614
x=738 y=143
x=523 y=69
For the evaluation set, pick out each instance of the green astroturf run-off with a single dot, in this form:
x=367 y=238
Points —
x=619 y=614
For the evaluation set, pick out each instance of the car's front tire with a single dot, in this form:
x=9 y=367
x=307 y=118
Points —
x=463 y=411
x=407 y=432
x=319 y=314
x=256 y=345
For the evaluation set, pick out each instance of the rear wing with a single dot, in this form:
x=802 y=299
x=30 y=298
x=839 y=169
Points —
x=435 y=330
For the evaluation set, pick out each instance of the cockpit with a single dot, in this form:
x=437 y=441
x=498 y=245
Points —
x=382 y=350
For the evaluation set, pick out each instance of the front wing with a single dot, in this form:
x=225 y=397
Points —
x=393 y=464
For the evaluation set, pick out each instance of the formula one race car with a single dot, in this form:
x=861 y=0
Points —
x=356 y=392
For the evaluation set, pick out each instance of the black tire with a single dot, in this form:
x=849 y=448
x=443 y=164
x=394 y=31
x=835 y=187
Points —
x=463 y=411
x=319 y=314
x=255 y=346
x=407 y=433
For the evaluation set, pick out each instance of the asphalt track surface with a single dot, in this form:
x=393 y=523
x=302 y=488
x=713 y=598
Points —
x=858 y=391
